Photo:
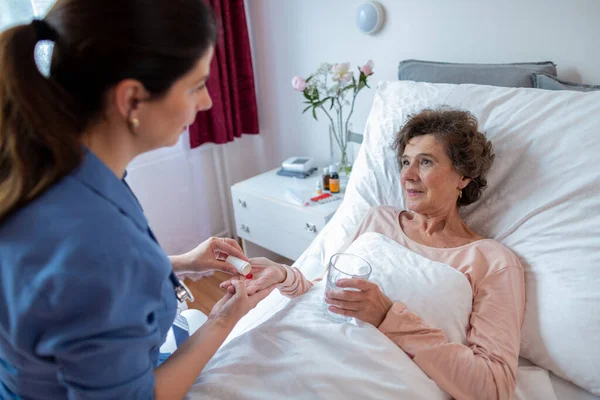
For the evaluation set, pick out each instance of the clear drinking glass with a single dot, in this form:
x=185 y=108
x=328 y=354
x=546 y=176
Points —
x=344 y=266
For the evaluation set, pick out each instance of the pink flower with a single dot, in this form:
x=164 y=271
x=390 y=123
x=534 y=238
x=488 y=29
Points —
x=367 y=69
x=298 y=83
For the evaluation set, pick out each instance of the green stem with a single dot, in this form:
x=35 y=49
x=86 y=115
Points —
x=351 y=109
x=340 y=121
x=332 y=126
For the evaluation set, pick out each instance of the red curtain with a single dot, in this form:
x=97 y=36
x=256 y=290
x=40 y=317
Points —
x=231 y=82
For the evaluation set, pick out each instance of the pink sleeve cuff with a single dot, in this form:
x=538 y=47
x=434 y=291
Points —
x=392 y=318
x=289 y=279
x=295 y=284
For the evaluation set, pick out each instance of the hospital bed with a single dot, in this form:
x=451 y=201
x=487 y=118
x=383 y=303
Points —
x=542 y=201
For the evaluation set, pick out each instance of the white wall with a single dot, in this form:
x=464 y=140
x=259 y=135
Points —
x=292 y=37
x=185 y=192
x=13 y=12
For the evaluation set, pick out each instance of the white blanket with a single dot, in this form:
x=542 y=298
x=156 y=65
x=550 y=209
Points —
x=299 y=354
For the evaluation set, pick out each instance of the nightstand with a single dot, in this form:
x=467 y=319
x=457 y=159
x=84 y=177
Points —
x=264 y=216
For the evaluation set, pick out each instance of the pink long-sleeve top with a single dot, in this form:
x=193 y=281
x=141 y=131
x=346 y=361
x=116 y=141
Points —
x=484 y=368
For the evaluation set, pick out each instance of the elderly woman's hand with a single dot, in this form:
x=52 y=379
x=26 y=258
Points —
x=367 y=303
x=265 y=273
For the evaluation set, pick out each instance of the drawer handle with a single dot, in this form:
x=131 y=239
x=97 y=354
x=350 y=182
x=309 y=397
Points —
x=310 y=228
x=242 y=203
x=245 y=228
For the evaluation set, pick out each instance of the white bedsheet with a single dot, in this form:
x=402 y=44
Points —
x=299 y=354
x=535 y=383
x=565 y=390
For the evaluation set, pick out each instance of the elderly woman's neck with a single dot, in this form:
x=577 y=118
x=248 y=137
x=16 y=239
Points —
x=441 y=221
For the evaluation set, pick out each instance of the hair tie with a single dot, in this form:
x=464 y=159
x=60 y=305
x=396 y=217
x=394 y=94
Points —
x=43 y=30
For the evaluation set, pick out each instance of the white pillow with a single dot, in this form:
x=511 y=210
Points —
x=299 y=354
x=411 y=278
x=542 y=201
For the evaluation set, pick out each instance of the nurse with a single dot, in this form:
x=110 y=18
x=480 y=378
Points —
x=86 y=293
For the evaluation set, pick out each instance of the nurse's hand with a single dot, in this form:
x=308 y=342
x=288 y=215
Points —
x=208 y=255
x=237 y=302
x=265 y=273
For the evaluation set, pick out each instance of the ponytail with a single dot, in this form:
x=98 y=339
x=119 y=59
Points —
x=40 y=123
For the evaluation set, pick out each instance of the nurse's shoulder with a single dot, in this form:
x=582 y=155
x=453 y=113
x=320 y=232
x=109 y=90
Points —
x=75 y=232
x=67 y=247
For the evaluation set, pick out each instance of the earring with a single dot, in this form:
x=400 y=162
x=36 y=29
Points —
x=134 y=122
x=460 y=193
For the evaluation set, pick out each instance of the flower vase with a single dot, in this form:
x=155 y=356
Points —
x=339 y=152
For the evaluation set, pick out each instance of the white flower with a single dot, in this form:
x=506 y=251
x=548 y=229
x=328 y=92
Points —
x=341 y=72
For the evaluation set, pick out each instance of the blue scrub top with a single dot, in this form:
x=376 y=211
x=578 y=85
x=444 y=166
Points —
x=85 y=295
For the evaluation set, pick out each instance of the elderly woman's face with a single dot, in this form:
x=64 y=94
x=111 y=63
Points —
x=429 y=180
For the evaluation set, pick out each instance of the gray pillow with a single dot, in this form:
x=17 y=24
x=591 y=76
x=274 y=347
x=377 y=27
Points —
x=542 y=81
x=507 y=75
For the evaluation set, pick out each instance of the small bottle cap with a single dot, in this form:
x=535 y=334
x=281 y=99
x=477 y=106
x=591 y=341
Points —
x=333 y=169
x=243 y=267
x=326 y=170
x=319 y=185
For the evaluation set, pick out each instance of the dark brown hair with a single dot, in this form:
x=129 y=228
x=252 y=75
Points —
x=470 y=151
x=97 y=43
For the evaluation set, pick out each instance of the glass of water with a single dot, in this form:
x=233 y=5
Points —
x=344 y=266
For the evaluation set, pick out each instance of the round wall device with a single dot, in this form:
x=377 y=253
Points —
x=369 y=17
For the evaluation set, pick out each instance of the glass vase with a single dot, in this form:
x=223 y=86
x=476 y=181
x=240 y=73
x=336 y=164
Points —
x=340 y=153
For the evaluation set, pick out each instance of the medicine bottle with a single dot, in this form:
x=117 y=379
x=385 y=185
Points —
x=334 y=179
x=325 y=178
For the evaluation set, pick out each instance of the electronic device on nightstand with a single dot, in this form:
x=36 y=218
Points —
x=298 y=164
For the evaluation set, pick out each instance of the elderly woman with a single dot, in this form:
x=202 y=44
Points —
x=443 y=160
